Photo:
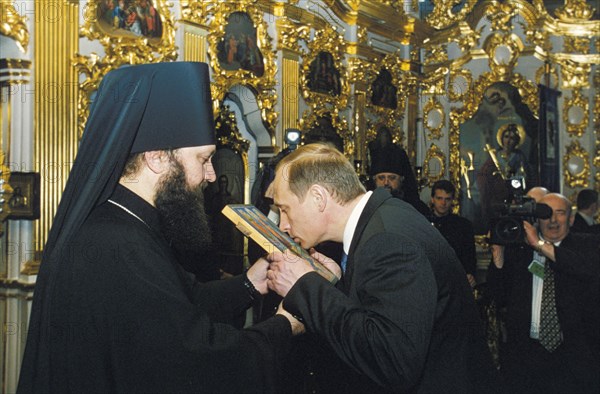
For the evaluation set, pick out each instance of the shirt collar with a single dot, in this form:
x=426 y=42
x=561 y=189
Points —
x=588 y=219
x=353 y=220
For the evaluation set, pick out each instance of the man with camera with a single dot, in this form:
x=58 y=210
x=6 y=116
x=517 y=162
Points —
x=549 y=285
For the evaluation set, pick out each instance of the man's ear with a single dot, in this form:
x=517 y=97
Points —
x=157 y=161
x=319 y=196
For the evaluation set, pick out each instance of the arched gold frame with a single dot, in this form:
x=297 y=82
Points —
x=453 y=82
x=442 y=15
x=119 y=50
x=576 y=101
x=372 y=128
x=580 y=179
x=325 y=40
x=432 y=105
x=217 y=15
x=529 y=94
x=309 y=118
x=392 y=64
x=434 y=153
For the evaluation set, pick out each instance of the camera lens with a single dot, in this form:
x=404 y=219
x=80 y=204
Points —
x=507 y=230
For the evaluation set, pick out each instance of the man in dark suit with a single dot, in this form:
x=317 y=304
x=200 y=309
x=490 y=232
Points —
x=402 y=318
x=457 y=230
x=587 y=206
x=549 y=287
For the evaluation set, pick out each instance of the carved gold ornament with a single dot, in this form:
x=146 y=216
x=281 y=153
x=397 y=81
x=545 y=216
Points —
x=434 y=118
x=574 y=74
x=323 y=118
x=228 y=133
x=373 y=129
x=576 y=165
x=574 y=9
x=459 y=84
x=434 y=165
x=576 y=113
x=503 y=52
x=13 y=25
x=541 y=77
x=443 y=15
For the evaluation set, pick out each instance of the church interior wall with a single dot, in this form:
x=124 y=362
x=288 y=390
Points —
x=337 y=70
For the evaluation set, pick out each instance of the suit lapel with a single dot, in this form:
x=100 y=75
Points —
x=378 y=197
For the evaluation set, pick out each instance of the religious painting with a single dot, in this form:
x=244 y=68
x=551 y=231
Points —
x=384 y=93
x=323 y=76
x=136 y=18
x=499 y=143
x=238 y=48
x=548 y=123
x=24 y=202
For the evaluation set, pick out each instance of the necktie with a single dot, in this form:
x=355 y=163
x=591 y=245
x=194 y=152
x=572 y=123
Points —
x=343 y=262
x=550 y=335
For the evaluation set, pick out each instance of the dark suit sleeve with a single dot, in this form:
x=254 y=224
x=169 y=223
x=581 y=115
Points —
x=467 y=255
x=385 y=334
x=579 y=256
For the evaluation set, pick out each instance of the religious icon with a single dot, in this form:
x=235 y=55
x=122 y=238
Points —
x=238 y=49
x=384 y=92
x=323 y=76
x=130 y=17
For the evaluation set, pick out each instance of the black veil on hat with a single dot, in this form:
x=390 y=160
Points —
x=136 y=109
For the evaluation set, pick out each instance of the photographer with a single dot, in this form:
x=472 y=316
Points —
x=549 y=285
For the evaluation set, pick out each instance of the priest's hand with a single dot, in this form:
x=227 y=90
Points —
x=257 y=274
x=297 y=327
x=285 y=270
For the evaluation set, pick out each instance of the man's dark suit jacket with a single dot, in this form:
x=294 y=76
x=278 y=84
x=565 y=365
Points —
x=581 y=226
x=402 y=318
x=575 y=364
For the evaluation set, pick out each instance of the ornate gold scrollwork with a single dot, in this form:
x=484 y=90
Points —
x=577 y=44
x=540 y=76
x=500 y=14
x=121 y=46
x=574 y=74
x=228 y=134
x=396 y=131
x=434 y=165
x=322 y=118
x=327 y=45
x=574 y=9
x=459 y=84
x=503 y=52
x=576 y=113
x=576 y=165
x=443 y=16
x=434 y=118
x=386 y=92
x=13 y=25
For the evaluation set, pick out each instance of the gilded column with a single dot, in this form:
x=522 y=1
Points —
x=56 y=90
x=194 y=43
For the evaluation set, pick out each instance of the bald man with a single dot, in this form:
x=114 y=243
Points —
x=549 y=287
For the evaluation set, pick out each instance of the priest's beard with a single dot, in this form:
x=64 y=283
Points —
x=181 y=210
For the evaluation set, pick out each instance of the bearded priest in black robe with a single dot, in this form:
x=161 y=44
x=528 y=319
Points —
x=113 y=311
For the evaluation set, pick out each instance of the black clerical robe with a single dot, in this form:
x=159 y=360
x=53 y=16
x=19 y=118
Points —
x=124 y=317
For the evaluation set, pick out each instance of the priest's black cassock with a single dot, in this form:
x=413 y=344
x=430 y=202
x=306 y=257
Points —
x=113 y=311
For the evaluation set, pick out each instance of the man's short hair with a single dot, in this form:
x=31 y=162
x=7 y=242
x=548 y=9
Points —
x=324 y=165
x=444 y=185
x=586 y=198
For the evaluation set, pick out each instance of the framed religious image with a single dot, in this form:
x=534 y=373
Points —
x=24 y=202
x=323 y=76
x=238 y=48
x=498 y=143
x=134 y=18
x=384 y=93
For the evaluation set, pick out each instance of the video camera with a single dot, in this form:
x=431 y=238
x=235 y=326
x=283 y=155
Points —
x=507 y=228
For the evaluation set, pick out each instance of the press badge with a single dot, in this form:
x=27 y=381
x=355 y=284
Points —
x=537 y=269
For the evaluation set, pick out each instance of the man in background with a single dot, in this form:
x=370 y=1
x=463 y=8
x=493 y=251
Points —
x=457 y=230
x=587 y=207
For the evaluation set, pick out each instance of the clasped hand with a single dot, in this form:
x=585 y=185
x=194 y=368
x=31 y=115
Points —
x=286 y=268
